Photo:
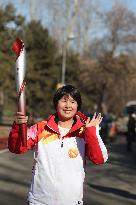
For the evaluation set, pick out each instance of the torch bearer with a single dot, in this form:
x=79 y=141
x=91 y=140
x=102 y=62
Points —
x=20 y=68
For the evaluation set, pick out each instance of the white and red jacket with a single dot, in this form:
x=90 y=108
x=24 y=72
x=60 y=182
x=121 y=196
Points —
x=58 y=172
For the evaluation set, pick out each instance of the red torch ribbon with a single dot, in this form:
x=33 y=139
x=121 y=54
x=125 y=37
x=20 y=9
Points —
x=19 y=49
x=21 y=89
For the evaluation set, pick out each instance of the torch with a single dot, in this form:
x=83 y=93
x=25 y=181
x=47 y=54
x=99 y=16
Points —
x=20 y=68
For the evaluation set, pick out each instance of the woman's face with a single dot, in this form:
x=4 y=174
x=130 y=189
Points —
x=66 y=108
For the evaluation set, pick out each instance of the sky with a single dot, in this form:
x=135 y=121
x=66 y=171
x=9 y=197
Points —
x=105 y=5
x=43 y=13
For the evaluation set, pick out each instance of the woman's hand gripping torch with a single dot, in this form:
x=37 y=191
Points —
x=20 y=68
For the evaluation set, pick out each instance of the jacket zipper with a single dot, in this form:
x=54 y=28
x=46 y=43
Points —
x=61 y=143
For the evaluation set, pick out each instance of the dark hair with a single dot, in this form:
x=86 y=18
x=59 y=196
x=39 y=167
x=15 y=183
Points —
x=67 y=90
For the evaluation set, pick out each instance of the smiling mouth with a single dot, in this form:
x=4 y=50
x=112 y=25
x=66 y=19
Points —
x=67 y=111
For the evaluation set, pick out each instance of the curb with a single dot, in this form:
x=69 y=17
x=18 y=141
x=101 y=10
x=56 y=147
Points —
x=3 y=151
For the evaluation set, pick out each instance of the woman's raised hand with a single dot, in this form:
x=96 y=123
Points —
x=95 y=121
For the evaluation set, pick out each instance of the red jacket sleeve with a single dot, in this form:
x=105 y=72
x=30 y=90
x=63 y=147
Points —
x=95 y=148
x=15 y=143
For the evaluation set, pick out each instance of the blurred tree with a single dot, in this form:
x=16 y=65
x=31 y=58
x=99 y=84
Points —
x=43 y=63
x=121 y=24
x=44 y=68
x=65 y=17
x=42 y=73
x=106 y=73
x=108 y=76
x=8 y=20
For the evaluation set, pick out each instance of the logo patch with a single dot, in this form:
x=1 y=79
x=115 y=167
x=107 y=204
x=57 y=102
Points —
x=73 y=152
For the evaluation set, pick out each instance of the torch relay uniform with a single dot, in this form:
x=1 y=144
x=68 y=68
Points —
x=59 y=155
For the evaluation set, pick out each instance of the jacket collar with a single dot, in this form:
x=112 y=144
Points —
x=53 y=125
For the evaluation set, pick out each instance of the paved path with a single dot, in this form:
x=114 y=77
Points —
x=113 y=183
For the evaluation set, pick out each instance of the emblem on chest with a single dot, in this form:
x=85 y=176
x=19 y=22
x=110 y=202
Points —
x=73 y=152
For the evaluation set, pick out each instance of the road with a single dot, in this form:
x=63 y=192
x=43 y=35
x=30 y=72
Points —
x=112 y=183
